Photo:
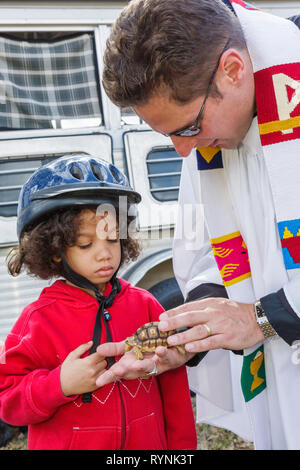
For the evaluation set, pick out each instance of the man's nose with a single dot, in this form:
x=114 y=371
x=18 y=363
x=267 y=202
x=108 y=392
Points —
x=184 y=145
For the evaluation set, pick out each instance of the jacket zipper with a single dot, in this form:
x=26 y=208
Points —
x=123 y=419
x=106 y=319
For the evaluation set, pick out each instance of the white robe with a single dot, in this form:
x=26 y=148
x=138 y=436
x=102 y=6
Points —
x=216 y=380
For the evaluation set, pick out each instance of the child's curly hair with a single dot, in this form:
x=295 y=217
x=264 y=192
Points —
x=46 y=240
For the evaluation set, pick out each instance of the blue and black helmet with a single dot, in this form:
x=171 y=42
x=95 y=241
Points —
x=76 y=179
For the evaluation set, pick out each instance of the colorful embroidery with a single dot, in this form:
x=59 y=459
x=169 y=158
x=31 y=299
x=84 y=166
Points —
x=278 y=103
x=289 y=232
x=209 y=158
x=231 y=255
x=253 y=378
x=133 y=393
x=244 y=4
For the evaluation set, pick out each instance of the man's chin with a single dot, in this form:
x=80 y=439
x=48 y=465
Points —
x=229 y=144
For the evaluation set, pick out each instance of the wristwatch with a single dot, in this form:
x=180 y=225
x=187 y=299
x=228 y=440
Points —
x=263 y=321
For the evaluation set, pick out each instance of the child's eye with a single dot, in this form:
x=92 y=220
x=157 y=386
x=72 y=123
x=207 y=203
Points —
x=83 y=247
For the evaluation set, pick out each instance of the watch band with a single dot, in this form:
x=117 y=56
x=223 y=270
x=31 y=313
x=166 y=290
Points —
x=263 y=322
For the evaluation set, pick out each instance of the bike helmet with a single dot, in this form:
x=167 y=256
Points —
x=76 y=179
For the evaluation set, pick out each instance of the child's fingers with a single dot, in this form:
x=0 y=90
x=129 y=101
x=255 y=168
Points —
x=78 y=352
x=94 y=359
x=98 y=368
x=101 y=368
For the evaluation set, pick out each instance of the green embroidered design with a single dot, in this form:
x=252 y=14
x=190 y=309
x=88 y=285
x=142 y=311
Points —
x=253 y=377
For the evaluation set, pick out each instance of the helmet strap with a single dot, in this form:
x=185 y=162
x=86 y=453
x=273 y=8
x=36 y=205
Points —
x=104 y=303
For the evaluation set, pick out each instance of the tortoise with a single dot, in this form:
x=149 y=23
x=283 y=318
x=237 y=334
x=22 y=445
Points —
x=147 y=338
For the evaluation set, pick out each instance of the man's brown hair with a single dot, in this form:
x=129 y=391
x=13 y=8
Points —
x=172 y=45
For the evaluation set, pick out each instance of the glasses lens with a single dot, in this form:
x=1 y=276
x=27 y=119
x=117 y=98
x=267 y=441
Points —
x=189 y=132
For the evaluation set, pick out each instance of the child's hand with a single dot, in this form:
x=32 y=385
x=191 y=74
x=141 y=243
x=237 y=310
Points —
x=78 y=375
x=129 y=367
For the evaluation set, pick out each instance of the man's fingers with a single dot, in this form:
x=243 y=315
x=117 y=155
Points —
x=128 y=368
x=161 y=352
x=192 y=334
x=111 y=349
x=206 y=344
x=184 y=320
x=106 y=378
x=143 y=367
x=188 y=306
x=160 y=355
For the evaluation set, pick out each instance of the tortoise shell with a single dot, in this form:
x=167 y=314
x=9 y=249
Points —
x=147 y=338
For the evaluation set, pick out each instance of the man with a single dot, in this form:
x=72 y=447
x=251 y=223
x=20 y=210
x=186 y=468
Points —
x=221 y=79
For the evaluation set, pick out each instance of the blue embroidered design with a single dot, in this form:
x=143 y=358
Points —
x=209 y=158
x=289 y=232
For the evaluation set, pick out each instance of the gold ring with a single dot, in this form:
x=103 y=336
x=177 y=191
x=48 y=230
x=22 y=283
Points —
x=207 y=328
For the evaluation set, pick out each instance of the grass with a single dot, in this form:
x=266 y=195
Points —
x=19 y=441
x=213 y=438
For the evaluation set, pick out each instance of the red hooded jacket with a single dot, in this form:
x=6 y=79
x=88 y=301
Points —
x=136 y=414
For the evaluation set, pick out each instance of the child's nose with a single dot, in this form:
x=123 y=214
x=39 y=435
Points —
x=102 y=252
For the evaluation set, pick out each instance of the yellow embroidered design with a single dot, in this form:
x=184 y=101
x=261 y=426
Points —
x=208 y=153
x=254 y=369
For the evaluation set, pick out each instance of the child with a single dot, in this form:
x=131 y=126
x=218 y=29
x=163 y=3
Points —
x=47 y=380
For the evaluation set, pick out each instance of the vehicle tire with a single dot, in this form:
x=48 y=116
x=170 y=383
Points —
x=167 y=293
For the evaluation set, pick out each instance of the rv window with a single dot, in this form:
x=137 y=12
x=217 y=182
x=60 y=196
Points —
x=128 y=116
x=164 y=169
x=48 y=83
x=14 y=172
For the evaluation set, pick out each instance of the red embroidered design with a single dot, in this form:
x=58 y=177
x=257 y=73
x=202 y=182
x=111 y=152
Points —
x=244 y=4
x=278 y=103
x=231 y=255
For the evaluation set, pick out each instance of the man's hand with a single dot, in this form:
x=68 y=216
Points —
x=170 y=358
x=78 y=375
x=129 y=367
x=215 y=323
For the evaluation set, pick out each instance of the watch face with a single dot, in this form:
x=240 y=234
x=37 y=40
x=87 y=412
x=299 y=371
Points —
x=259 y=310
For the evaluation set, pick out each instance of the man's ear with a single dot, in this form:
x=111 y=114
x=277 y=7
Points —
x=232 y=68
x=56 y=259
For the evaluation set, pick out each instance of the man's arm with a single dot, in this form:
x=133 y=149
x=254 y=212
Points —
x=282 y=316
x=295 y=19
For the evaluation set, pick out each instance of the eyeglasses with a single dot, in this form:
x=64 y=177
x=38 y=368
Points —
x=189 y=131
